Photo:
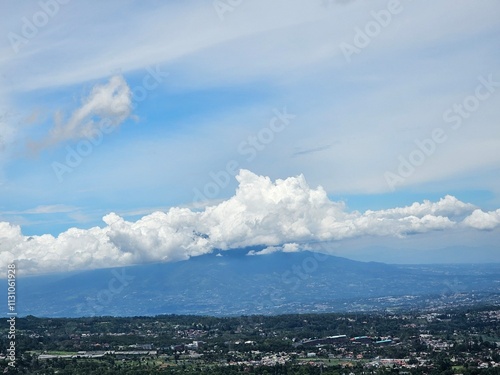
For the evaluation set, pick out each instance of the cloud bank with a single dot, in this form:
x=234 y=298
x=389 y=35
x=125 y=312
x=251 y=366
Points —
x=279 y=214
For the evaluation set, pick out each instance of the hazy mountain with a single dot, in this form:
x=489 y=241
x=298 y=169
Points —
x=446 y=255
x=231 y=282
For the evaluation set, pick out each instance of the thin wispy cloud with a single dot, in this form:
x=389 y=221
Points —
x=106 y=105
x=311 y=150
x=45 y=209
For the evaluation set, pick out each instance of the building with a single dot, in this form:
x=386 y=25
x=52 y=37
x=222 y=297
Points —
x=325 y=341
x=362 y=340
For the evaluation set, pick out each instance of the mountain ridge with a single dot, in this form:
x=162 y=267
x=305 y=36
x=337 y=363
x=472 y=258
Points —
x=232 y=283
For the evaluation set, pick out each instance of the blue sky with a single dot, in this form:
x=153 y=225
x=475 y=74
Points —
x=196 y=81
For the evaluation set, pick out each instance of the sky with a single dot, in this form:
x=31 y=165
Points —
x=144 y=131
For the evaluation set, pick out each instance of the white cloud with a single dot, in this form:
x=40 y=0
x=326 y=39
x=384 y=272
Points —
x=7 y=135
x=280 y=214
x=106 y=105
x=483 y=220
x=447 y=206
x=286 y=248
x=170 y=31
x=45 y=209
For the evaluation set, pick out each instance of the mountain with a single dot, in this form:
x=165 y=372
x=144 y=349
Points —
x=233 y=283
x=446 y=255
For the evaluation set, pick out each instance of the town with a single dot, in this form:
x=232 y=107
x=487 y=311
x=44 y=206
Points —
x=460 y=341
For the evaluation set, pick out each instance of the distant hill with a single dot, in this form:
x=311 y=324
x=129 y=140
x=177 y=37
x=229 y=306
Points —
x=445 y=255
x=233 y=283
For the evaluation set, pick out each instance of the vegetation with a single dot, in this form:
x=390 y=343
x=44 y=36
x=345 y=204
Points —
x=463 y=341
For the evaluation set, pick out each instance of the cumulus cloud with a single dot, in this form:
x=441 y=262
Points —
x=107 y=104
x=483 y=220
x=280 y=215
x=447 y=206
x=286 y=248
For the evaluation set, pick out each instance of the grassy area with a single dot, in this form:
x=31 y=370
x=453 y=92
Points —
x=329 y=361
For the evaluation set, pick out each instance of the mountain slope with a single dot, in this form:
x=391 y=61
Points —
x=232 y=283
